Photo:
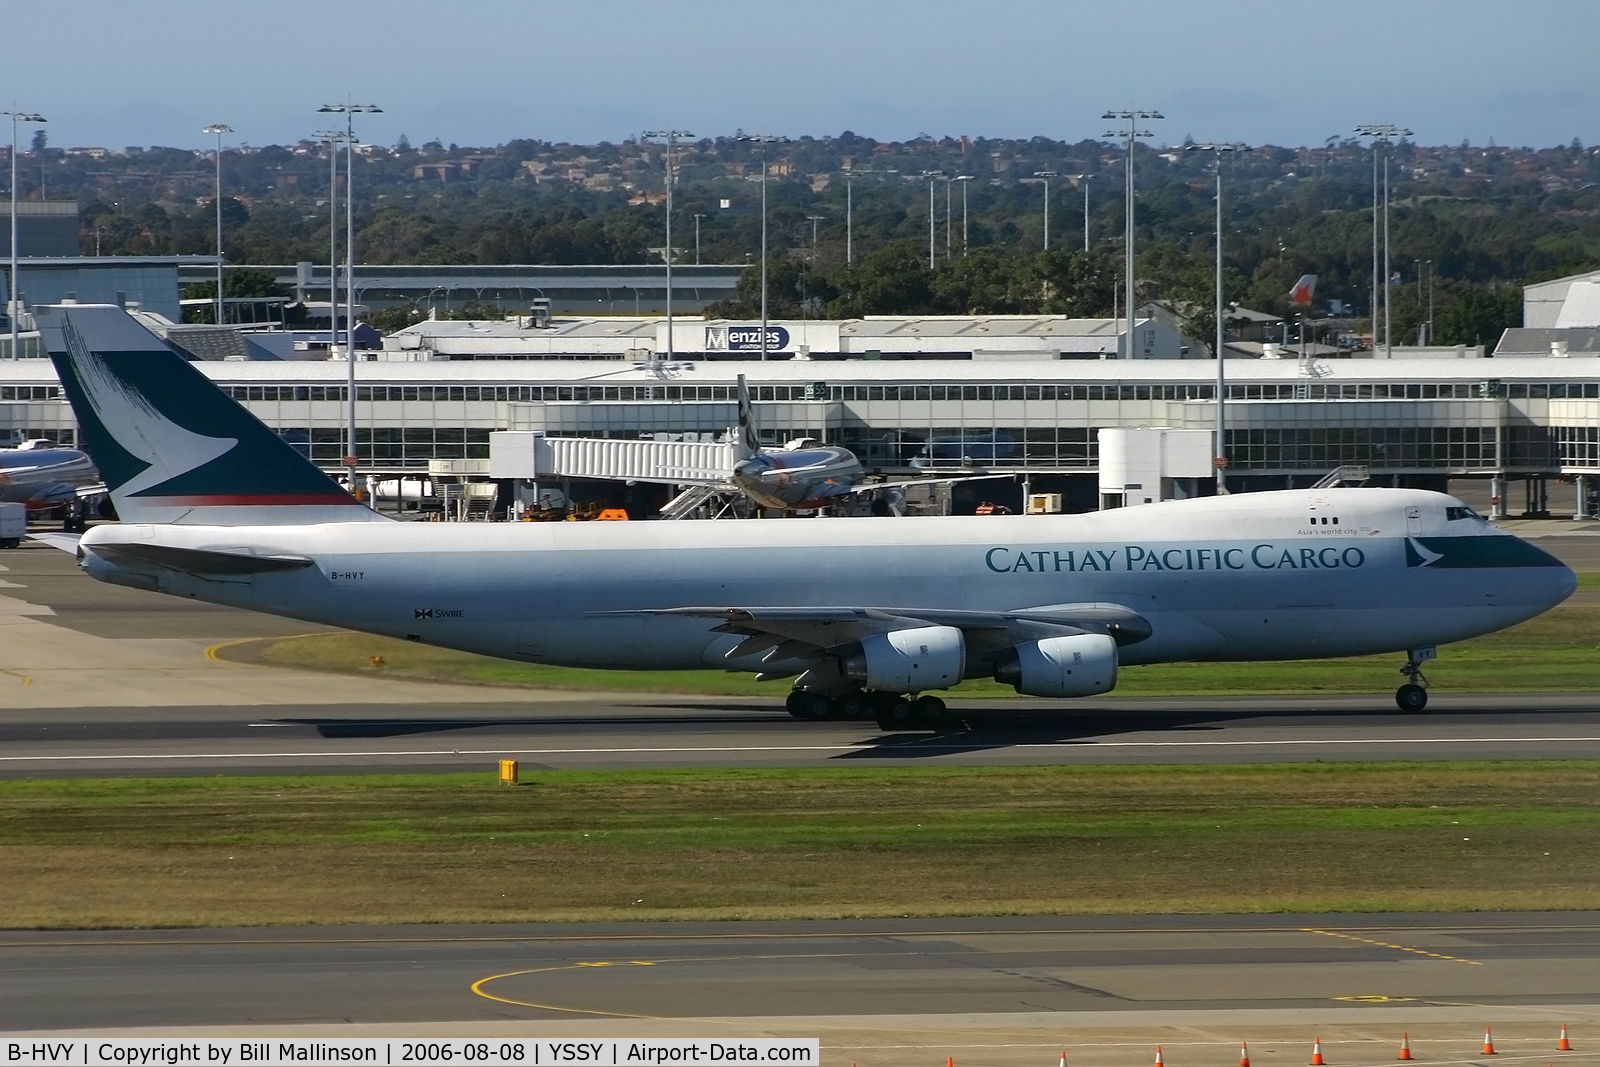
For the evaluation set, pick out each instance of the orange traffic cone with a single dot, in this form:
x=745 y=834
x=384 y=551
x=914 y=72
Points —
x=1158 y=1057
x=1488 y=1041
x=1063 y=1058
x=1316 y=1053
x=1405 y=1047
x=1563 y=1045
x=951 y=1062
x=1244 y=1054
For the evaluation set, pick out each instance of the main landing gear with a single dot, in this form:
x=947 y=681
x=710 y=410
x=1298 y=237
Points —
x=1413 y=695
x=892 y=711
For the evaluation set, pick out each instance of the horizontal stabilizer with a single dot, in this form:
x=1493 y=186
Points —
x=200 y=560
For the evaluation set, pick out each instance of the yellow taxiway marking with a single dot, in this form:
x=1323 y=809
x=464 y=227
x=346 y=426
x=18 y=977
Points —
x=26 y=681
x=477 y=987
x=211 y=652
x=1386 y=944
x=1374 y=998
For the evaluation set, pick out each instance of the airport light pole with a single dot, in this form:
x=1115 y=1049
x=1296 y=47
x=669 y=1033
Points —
x=1084 y=179
x=671 y=137
x=763 y=139
x=219 y=128
x=697 y=219
x=1381 y=134
x=1219 y=458
x=1044 y=177
x=349 y=111
x=17 y=118
x=1129 y=136
x=964 y=179
x=849 y=211
x=932 y=177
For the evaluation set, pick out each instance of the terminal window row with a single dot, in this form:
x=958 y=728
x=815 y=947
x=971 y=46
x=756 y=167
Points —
x=30 y=392
x=1323 y=448
x=408 y=446
x=1578 y=446
x=821 y=391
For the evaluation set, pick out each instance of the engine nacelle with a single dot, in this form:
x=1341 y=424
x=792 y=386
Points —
x=909 y=661
x=1078 y=665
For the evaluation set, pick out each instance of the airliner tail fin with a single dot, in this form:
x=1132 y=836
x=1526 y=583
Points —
x=748 y=442
x=172 y=447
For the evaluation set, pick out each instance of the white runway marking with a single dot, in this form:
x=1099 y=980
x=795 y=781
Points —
x=845 y=747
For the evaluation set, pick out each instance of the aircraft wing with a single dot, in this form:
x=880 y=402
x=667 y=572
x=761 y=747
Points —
x=806 y=632
x=868 y=487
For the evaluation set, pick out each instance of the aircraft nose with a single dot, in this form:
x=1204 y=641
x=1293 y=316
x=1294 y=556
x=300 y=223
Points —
x=1567 y=583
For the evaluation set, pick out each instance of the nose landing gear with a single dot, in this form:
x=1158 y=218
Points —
x=1413 y=695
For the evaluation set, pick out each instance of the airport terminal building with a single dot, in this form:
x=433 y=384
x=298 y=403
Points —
x=917 y=404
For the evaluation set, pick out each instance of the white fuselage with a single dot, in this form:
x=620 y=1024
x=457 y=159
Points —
x=1297 y=574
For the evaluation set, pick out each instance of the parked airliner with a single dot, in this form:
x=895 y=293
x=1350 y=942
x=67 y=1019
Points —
x=868 y=615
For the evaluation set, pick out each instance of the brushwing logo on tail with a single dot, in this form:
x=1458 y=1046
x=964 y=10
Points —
x=137 y=425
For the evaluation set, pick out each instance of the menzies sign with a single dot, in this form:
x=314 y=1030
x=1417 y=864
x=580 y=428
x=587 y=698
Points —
x=745 y=338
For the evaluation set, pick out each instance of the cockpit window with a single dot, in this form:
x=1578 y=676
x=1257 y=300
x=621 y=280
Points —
x=1454 y=513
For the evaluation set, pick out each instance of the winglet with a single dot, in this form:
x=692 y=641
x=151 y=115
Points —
x=172 y=447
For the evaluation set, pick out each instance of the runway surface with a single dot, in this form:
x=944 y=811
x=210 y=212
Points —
x=101 y=680
x=686 y=732
x=1120 y=974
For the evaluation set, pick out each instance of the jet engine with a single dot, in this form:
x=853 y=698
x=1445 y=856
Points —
x=1077 y=665
x=909 y=661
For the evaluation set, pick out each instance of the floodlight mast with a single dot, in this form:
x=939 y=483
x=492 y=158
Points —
x=1129 y=136
x=964 y=179
x=1220 y=454
x=671 y=137
x=763 y=139
x=1085 y=179
x=349 y=111
x=1044 y=177
x=218 y=129
x=15 y=307
x=1381 y=134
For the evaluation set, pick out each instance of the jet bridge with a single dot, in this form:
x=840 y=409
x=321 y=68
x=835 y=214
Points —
x=529 y=455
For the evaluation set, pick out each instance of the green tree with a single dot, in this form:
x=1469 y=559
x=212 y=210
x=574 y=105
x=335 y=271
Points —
x=1479 y=316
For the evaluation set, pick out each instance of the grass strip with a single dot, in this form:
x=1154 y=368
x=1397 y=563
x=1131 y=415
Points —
x=797 y=843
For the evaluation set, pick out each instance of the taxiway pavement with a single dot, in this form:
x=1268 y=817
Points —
x=993 y=990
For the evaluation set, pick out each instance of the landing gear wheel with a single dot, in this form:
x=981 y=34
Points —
x=896 y=713
x=1411 y=698
x=853 y=706
x=811 y=706
x=929 y=710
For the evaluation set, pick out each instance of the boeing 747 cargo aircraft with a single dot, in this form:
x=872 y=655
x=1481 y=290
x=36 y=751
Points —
x=868 y=615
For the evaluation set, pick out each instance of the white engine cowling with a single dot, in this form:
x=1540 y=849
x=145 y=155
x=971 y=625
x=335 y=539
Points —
x=909 y=661
x=1078 y=665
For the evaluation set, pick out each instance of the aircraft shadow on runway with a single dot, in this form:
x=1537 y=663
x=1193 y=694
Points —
x=994 y=730
x=978 y=732
x=342 y=728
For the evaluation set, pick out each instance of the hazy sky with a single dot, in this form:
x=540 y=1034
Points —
x=480 y=72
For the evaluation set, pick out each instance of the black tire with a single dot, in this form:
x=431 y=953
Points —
x=929 y=710
x=815 y=707
x=1411 y=698
x=853 y=706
